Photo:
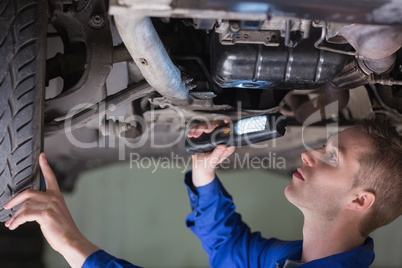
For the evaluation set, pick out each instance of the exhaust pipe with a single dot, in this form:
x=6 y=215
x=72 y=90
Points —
x=149 y=54
x=376 y=45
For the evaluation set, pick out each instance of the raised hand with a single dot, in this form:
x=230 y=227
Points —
x=50 y=211
x=204 y=164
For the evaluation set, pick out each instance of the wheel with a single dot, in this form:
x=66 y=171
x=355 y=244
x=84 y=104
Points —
x=23 y=25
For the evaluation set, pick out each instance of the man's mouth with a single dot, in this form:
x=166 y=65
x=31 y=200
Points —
x=298 y=174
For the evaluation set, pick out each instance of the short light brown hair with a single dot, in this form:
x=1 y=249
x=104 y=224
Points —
x=380 y=172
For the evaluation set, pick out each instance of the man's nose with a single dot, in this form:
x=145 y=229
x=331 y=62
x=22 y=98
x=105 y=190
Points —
x=307 y=158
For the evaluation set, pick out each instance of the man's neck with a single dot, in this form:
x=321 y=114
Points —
x=323 y=238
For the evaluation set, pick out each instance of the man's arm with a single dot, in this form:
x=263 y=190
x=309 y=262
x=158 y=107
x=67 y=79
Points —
x=50 y=211
x=226 y=239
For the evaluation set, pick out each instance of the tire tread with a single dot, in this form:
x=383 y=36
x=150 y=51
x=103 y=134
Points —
x=20 y=117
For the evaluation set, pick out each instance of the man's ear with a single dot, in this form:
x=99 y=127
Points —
x=362 y=201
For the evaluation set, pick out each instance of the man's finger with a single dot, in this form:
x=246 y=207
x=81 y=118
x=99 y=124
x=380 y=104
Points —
x=194 y=130
x=227 y=153
x=50 y=178
x=213 y=125
x=27 y=207
x=27 y=195
x=209 y=127
x=218 y=151
x=198 y=132
x=27 y=216
x=190 y=133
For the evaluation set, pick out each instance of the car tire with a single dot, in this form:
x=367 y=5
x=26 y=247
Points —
x=23 y=27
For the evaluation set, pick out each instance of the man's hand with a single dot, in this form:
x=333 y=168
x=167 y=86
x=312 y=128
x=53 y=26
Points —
x=50 y=211
x=204 y=164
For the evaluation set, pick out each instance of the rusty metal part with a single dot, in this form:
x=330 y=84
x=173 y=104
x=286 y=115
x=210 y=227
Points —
x=84 y=29
x=376 y=47
x=80 y=118
x=230 y=33
x=148 y=52
x=319 y=43
x=351 y=76
x=200 y=63
x=377 y=66
x=373 y=42
x=387 y=82
x=357 y=73
x=110 y=127
x=267 y=32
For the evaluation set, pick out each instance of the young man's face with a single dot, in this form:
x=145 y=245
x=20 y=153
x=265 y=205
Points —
x=323 y=183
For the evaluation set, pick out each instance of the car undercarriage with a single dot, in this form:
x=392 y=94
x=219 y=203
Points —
x=125 y=76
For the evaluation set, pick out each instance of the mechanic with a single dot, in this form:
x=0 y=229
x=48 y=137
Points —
x=350 y=188
x=341 y=203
